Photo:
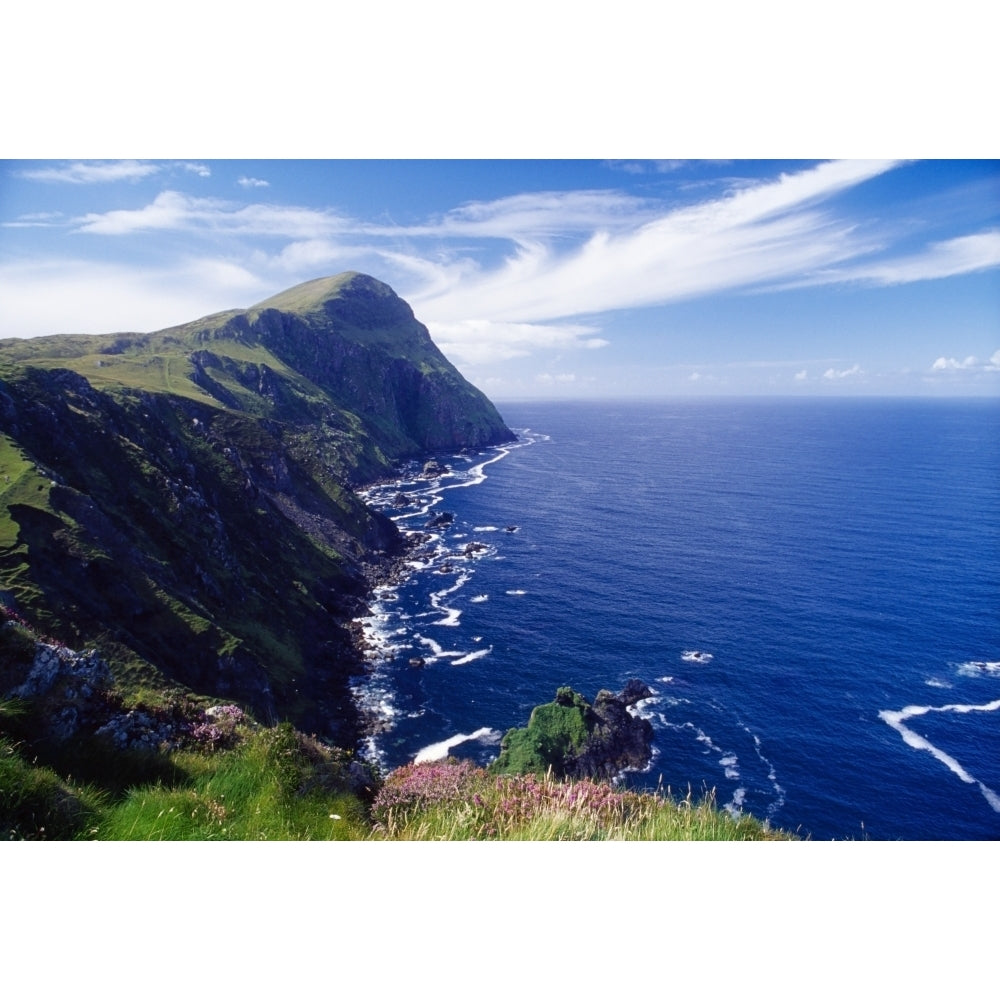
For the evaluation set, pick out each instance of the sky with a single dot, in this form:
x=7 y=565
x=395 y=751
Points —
x=547 y=278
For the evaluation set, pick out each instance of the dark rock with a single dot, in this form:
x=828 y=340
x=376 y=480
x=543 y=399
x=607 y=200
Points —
x=618 y=739
x=634 y=691
x=433 y=469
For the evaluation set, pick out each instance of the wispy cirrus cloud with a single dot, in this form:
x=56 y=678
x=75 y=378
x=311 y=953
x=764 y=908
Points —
x=756 y=235
x=538 y=271
x=945 y=259
x=480 y=342
x=173 y=210
x=107 y=171
x=572 y=253
x=539 y=215
x=92 y=173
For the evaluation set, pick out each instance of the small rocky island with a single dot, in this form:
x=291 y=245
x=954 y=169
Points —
x=576 y=739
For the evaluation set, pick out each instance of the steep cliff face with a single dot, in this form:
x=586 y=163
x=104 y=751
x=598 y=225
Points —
x=183 y=500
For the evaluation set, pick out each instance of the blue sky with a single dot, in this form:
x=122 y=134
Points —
x=542 y=278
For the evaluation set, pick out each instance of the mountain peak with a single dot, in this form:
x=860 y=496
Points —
x=320 y=294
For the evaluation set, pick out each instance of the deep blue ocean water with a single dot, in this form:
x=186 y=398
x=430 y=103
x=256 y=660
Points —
x=810 y=587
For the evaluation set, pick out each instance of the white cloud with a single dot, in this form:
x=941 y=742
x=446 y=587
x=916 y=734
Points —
x=833 y=374
x=968 y=364
x=961 y=255
x=759 y=234
x=172 y=210
x=950 y=364
x=92 y=173
x=316 y=255
x=196 y=168
x=480 y=341
x=539 y=214
x=110 y=298
x=545 y=378
x=570 y=255
x=35 y=219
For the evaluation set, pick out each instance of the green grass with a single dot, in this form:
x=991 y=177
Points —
x=20 y=483
x=266 y=789
x=36 y=803
x=275 y=783
x=554 y=732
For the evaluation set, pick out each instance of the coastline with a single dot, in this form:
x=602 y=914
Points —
x=423 y=482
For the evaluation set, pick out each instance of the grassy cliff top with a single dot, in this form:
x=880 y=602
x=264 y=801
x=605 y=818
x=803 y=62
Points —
x=311 y=296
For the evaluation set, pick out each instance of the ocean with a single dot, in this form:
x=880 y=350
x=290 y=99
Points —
x=811 y=588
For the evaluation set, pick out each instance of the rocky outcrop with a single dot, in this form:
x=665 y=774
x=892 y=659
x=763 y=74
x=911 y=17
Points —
x=619 y=740
x=574 y=739
x=68 y=688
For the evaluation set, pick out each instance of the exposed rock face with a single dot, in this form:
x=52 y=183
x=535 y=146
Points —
x=184 y=500
x=70 y=687
x=618 y=739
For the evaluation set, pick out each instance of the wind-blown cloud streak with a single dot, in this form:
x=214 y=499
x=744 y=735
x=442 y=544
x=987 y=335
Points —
x=506 y=278
x=105 y=172
x=173 y=210
x=945 y=259
x=759 y=234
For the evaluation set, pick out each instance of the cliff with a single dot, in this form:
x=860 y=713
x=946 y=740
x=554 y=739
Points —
x=184 y=500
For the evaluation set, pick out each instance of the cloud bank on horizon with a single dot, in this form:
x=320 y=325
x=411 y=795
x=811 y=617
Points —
x=547 y=277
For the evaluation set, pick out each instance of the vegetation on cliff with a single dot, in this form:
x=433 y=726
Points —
x=277 y=784
x=199 y=771
x=184 y=500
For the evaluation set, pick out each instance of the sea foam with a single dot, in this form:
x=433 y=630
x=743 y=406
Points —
x=898 y=719
x=438 y=751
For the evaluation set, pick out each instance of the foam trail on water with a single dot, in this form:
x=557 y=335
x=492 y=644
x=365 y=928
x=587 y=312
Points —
x=772 y=775
x=469 y=657
x=898 y=722
x=729 y=763
x=476 y=473
x=452 y=615
x=437 y=653
x=438 y=751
